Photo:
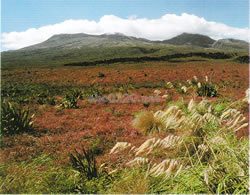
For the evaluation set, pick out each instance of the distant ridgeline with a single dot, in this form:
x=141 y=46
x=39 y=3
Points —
x=217 y=55
x=85 y=50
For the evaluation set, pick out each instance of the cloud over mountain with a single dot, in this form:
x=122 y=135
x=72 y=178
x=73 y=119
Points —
x=165 y=27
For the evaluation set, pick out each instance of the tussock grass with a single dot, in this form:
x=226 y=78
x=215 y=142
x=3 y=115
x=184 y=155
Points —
x=208 y=159
x=147 y=123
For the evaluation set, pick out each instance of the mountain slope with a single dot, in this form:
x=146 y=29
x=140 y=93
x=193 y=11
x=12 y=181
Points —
x=191 y=39
x=74 y=48
x=231 y=44
x=76 y=41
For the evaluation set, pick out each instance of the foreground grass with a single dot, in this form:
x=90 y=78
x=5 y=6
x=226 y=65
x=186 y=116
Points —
x=212 y=160
x=40 y=175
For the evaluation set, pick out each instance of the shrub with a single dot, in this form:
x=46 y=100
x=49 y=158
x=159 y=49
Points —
x=77 y=93
x=15 y=120
x=207 y=90
x=45 y=99
x=70 y=99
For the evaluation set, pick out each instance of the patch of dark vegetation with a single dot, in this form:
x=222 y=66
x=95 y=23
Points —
x=15 y=120
x=92 y=180
x=207 y=90
x=242 y=59
x=24 y=93
x=101 y=75
x=187 y=60
x=217 y=55
x=70 y=99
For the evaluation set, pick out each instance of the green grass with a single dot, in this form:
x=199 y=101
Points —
x=40 y=175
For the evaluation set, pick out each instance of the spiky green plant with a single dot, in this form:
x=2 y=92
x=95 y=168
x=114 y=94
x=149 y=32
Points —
x=70 y=99
x=93 y=180
x=207 y=90
x=15 y=120
x=84 y=163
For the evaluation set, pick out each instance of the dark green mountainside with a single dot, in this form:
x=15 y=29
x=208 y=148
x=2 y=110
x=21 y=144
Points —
x=191 y=39
x=83 y=48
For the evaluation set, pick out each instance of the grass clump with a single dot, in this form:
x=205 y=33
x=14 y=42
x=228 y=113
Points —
x=146 y=122
x=14 y=119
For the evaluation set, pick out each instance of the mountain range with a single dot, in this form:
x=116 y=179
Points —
x=75 y=48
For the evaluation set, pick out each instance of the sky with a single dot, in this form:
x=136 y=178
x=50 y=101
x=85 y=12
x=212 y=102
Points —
x=27 y=22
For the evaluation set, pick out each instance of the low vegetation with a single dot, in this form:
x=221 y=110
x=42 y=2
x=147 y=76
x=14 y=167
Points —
x=144 y=128
x=200 y=153
x=70 y=99
x=14 y=119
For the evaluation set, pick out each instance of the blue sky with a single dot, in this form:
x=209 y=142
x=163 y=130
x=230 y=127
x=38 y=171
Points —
x=19 y=15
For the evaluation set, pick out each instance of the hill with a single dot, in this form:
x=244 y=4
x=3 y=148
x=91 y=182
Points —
x=231 y=44
x=191 y=39
x=83 y=48
x=77 y=41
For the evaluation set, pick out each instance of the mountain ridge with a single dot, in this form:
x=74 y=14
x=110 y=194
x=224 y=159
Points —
x=74 y=48
x=191 y=39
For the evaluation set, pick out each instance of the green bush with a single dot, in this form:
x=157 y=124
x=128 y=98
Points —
x=77 y=93
x=70 y=99
x=15 y=120
x=207 y=90
x=45 y=99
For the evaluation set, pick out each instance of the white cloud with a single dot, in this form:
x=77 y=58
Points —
x=165 y=27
